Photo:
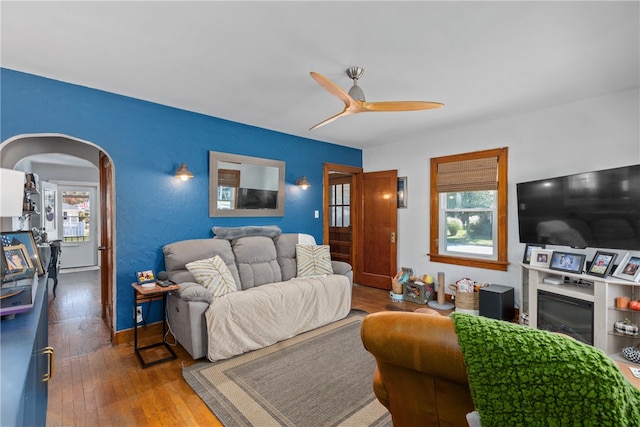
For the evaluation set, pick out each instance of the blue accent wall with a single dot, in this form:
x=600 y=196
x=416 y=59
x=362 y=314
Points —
x=147 y=142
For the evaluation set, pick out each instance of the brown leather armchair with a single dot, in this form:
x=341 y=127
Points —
x=420 y=376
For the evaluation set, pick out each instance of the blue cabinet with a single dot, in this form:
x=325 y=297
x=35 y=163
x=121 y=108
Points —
x=26 y=363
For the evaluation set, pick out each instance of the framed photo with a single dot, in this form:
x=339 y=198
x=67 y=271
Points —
x=540 y=258
x=629 y=268
x=602 y=263
x=16 y=263
x=402 y=192
x=25 y=238
x=527 y=251
x=146 y=276
x=567 y=261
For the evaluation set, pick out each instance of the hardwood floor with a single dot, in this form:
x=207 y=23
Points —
x=95 y=383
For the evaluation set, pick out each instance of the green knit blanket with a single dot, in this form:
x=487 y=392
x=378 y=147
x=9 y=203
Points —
x=519 y=376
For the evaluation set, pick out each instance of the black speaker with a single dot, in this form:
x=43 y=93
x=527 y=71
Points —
x=496 y=302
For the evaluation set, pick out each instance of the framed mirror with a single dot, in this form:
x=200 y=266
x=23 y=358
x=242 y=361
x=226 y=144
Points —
x=243 y=186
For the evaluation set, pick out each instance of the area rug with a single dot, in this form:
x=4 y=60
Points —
x=320 y=378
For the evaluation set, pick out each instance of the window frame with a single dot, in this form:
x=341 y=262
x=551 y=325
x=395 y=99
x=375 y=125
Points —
x=502 y=262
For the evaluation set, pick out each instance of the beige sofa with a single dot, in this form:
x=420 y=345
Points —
x=271 y=304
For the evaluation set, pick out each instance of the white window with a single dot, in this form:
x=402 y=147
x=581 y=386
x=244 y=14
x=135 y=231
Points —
x=468 y=226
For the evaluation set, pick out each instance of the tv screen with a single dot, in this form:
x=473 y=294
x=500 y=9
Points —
x=599 y=209
x=249 y=198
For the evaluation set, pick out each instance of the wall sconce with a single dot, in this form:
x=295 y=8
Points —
x=303 y=183
x=183 y=172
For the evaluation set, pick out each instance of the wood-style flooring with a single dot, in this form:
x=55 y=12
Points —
x=95 y=383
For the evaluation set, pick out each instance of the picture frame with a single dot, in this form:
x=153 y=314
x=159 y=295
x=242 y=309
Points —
x=528 y=249
x=540 y=258
x=26 y=238
x=629 y=268
x=402 y=192
x=16 y=264
x=567 y=261
x=602 y=263
x=145 y=276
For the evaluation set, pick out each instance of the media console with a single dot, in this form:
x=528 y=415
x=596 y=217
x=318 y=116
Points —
x=599 y=292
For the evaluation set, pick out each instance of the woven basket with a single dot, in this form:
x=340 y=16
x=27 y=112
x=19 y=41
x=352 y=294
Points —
x=468 y=300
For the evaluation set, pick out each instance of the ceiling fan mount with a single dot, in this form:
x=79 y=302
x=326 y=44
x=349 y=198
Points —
x=354 y=100
x=354 y=74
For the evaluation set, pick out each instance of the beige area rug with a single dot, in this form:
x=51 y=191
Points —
x=319 y=378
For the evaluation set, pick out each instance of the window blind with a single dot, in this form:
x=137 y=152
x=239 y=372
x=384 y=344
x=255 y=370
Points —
x=228 y=178
x=468 y=175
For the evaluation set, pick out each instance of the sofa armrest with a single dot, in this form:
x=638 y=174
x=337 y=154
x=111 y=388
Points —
x=190 y=291
x=379 y=389
x=340 y=267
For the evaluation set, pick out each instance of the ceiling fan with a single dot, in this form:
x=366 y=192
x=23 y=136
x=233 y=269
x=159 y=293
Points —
x=354 y=101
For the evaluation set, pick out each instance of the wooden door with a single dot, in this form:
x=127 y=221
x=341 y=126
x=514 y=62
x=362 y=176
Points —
x=377 y=262
x=106 y=240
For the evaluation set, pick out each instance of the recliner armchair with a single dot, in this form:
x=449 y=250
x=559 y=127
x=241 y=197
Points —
x=420 y=377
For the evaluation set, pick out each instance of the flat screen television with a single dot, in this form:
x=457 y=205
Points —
x=250 y=198
x=598 y=209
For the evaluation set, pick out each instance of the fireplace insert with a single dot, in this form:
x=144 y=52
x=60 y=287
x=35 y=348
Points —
x=566 y=315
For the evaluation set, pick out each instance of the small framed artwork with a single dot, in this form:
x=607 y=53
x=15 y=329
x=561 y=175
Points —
x=28 y=242
x=147 y=276
x=527 y=251
x=629 y=268
x=540 y=258
x=16 y=263
x=567 y=261
x=602 y=263
x=402 y=192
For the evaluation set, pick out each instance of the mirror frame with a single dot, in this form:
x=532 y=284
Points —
x=215 y=157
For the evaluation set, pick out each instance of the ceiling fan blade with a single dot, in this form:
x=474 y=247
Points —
x=333 y=89
x=400 y=105
x=330 y=119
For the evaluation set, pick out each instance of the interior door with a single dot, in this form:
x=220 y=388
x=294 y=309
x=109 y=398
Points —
x=106 y=240
x=378 y=238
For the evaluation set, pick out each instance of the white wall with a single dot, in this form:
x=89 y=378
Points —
x=596 y=133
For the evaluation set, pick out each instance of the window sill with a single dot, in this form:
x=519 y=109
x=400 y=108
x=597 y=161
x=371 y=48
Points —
x=470 y=262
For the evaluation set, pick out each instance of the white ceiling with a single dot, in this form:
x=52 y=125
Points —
x=249 y=62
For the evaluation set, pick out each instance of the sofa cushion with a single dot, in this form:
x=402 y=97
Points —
x=257 y=262
x=286 y=250
x=313 y=260
x=213 y=274
x=178 y=254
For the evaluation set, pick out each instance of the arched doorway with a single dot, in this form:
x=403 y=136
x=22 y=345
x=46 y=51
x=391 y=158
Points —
x=21 y=149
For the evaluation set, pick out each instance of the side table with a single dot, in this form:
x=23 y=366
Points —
x=624 y=367
x=141 y=293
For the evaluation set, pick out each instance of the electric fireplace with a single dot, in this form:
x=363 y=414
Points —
x=567 y=315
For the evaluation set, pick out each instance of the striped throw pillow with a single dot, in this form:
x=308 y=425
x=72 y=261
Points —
x=214 y=275
x=313 y=260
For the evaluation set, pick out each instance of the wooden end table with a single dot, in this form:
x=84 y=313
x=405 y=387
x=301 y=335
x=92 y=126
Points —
x=624 y=367
x=141 y=293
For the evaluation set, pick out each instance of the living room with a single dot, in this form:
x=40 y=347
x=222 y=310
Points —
x=147 y=141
